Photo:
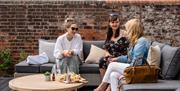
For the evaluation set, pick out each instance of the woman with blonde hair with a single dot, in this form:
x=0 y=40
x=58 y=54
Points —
x=68 y=48
x=139 y=47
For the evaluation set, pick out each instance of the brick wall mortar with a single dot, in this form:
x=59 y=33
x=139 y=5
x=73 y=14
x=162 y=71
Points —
x=22 y=23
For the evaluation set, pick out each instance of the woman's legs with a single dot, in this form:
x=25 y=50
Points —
x=114 y=67
x=102 y=72
x=63 y=65
x=108 y=88
x=71 y=62
x=102 y=87
x=74 y=64
x=102 y=67
x=114 y=81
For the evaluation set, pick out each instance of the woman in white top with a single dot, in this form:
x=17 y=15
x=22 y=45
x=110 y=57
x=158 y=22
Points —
x=68 y=48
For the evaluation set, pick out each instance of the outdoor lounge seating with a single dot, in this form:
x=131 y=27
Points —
x=170 y=68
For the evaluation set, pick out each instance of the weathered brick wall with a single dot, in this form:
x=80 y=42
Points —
x=22 y=23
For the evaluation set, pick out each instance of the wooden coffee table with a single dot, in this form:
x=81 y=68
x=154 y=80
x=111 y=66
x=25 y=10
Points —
x=37 y=83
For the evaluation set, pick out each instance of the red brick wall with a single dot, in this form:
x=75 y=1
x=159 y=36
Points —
x=22 y=23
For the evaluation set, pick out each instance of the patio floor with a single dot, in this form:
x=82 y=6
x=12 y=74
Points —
x=4 y=85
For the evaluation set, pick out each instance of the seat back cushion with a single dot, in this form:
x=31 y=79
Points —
x=161 y=45
x=95 y=55
x=170 y=62
x=47 y=46
x=154 y=55
x=87 y=46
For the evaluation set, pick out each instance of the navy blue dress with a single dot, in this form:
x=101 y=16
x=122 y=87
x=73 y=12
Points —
x=115 y=49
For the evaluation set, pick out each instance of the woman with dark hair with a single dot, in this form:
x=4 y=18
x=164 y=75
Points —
x=138 y=48
x=115 y=45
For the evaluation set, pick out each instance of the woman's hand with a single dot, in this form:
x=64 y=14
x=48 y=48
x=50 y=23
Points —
x=112 y=59
x=68 y=53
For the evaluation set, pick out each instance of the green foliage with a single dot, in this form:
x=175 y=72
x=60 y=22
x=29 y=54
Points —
x=23 y=55
x=5 y=59
x=47 y=73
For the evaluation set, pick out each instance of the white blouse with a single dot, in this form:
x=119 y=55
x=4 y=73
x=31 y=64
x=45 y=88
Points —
x=62 y=43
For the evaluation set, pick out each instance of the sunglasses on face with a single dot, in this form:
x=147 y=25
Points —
x=73 y=28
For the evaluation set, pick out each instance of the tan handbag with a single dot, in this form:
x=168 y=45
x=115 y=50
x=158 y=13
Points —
x=141 y=74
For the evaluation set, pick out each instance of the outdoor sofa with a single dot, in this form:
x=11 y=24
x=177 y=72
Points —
x=170 y=67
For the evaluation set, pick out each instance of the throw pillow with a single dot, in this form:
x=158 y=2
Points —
x=37 y=59
x=170 y=62
x=154 y=55
x=95 y=54
x=47 y=46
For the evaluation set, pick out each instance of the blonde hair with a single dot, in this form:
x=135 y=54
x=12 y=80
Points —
x=68 y=22
x=134 y=30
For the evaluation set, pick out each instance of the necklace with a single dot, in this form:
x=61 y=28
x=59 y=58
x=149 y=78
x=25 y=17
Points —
x=69 y=37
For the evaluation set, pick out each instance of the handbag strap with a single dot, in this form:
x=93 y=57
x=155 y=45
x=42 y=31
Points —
x=143 y=59
x=140 y=58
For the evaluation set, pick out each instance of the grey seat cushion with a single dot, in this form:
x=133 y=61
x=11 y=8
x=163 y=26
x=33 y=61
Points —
x=84 y=68
x=23 y=67
x=162 y=85
x=87 y=46
x=47 y=46
x=46 y=67
x=178 y=89
x=170 y=62
x=89 y=68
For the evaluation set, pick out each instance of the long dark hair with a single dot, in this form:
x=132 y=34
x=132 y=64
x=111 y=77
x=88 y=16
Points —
x=112 y=17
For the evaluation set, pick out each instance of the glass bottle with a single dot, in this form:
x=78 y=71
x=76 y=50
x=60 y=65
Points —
x=58 y=69
x=68 y=75
x=53 y=72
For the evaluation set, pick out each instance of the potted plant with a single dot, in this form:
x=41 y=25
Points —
x=47 y=76
x=5 y=62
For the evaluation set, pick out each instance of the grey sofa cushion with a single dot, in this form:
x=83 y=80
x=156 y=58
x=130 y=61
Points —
x=84 y=68
x=162 y=85
x=23 y=67
x=89 y=68
x=178 y=89
x=170 y=62
x=46 y=67
x=87 y=46
x=47 y=46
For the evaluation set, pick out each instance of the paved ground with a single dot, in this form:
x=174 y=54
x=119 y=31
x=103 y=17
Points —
x=4 y=85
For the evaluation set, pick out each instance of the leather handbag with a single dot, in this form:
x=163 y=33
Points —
x=141 y=74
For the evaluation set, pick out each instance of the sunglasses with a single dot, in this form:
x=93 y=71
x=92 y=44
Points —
x=73 y=28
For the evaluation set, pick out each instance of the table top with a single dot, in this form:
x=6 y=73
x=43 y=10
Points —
x=37 y=83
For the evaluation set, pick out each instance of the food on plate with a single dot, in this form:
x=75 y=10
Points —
x=73 y=77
